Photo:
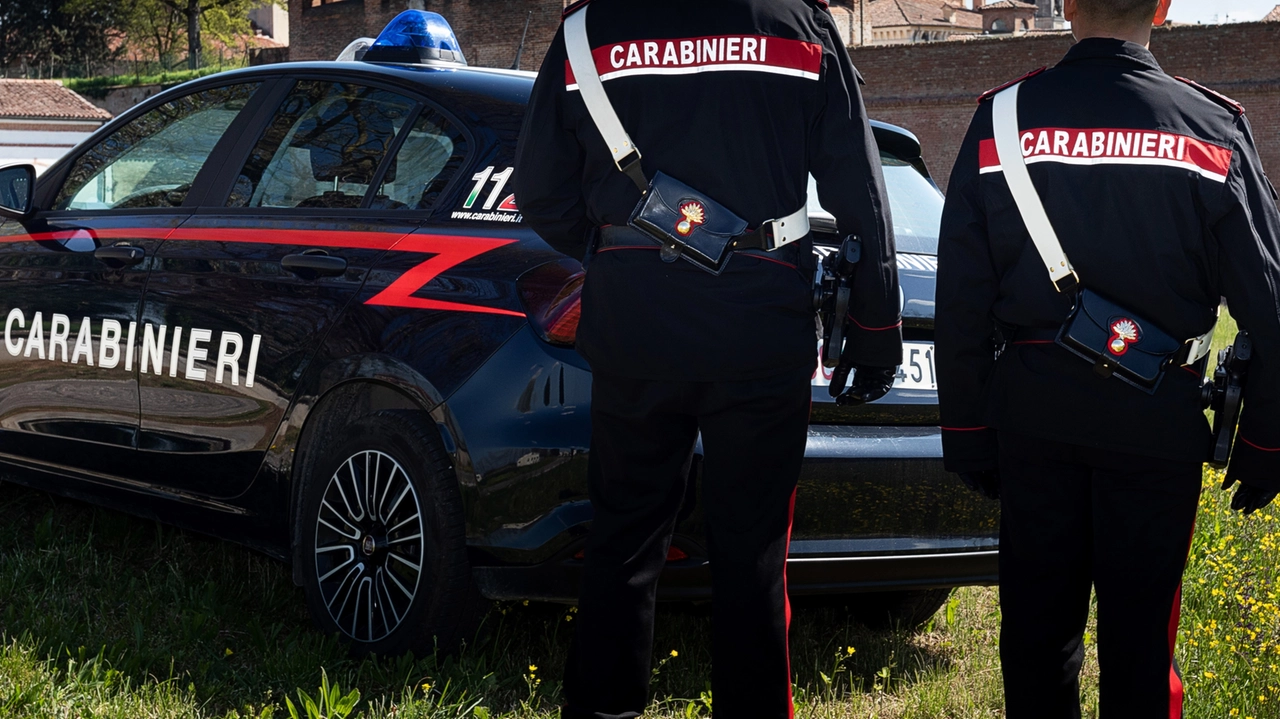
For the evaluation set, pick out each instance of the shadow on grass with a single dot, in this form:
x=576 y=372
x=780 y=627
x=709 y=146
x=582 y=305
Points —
x=162 y=604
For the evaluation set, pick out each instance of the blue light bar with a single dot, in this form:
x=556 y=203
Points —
x=416 y=37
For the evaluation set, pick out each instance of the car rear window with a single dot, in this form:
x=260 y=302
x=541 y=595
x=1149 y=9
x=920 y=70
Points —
x=429 y=155
x=914 y=201
x=323 y=147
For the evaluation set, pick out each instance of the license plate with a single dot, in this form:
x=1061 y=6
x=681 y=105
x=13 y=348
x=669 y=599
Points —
x=917 y=371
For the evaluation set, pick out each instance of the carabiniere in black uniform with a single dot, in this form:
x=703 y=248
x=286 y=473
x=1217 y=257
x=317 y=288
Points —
x=1158 y=197
x=731 y=104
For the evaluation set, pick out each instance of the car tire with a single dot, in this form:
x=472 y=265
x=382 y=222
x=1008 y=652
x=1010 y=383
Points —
x=905 y=609
x=382 y=541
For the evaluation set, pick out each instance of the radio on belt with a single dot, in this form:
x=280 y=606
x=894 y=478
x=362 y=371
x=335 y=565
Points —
x=417 y=37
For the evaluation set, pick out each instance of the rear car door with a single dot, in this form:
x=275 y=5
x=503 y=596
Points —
x=334 y=174
x=73 y=279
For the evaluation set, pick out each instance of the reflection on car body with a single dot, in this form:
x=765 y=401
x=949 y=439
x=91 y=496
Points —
x=243 y=303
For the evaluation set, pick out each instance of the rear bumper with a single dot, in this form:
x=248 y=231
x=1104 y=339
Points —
x=875 y=512
x=690 y=579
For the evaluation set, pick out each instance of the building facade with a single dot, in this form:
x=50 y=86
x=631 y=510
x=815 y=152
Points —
x=932 y=89
x=489 y=31
x=1006 y=16
x=895 y=22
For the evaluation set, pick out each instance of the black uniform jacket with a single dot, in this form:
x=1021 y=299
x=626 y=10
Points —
x=741 y=99
x=1158 y=197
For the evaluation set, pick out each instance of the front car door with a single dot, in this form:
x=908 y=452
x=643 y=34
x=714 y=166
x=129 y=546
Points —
x=73 y=278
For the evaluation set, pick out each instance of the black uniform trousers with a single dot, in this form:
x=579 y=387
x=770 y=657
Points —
x=643 y=437
x=1073 y=517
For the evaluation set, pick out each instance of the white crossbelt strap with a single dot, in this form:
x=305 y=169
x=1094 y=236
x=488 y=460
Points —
x=592 y=89
x=783 y=231
x=1004 y=118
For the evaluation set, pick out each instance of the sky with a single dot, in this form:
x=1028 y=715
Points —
x=1207 y=11
x=1212 y=11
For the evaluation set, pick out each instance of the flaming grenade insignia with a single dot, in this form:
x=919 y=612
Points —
x=694 y=214
x=1124 y=332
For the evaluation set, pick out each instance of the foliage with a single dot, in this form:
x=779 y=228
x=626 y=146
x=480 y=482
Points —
x=81 y=37
x=332 y=705
x=223 y=19
x=57 y=34
x=155 y=31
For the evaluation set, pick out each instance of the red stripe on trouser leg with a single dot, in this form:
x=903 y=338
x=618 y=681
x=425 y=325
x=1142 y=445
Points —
x=786 y=603
x=1175 y=682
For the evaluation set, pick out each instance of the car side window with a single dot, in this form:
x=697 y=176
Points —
x=431 y=153
x=322 y=148
x=152 y=161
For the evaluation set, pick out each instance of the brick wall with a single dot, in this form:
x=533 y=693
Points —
x=928 y=88
x=488 y=31
x=932 y=89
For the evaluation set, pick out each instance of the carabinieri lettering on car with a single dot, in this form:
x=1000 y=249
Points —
x=110 y=347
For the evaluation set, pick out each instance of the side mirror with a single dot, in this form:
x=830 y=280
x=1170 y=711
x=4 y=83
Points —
x=17 y=185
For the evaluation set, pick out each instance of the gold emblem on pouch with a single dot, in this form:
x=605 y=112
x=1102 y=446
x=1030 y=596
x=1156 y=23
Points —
x=694 y=214
x=1124 y=332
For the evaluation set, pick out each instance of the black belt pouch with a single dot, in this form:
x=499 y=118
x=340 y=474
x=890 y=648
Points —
x=688 y=224
x=1117 y=342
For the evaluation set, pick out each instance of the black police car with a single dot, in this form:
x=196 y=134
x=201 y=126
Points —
x=294 y=306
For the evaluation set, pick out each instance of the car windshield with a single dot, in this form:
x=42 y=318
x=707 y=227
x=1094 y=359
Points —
x=916 y=205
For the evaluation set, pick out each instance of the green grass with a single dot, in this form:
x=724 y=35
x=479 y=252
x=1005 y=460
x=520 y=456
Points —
x=98 y=86
x=105 y=615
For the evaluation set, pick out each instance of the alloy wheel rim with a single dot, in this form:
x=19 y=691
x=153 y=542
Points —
x=369 y=546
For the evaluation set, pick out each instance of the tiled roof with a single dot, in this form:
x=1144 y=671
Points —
x=1273 y=16
x=931 y=13
x=45 y=100
x=968 y=18
x=1009 y=5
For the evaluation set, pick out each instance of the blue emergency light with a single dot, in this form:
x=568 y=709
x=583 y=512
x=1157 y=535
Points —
x=416 y=37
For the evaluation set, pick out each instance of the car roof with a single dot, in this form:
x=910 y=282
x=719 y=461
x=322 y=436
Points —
x=445 y=76
x=510 y=85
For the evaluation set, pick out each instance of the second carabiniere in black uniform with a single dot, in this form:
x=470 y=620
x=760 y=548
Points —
x=728 y=106
x=1159 y=202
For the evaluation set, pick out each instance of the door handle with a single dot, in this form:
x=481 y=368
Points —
x=118 y=256
x=311 y=264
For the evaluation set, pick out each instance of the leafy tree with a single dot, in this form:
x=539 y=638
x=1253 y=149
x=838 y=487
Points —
x=224 y=19
x=60 y=33
x=156 y=29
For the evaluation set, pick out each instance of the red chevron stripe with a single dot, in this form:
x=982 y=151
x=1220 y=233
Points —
x=449 y=251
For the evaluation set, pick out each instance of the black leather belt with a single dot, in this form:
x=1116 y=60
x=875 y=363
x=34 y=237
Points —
x=748 y=244
x=1043 y=335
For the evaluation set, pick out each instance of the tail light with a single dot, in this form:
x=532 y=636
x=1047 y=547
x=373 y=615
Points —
x=552 y=297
